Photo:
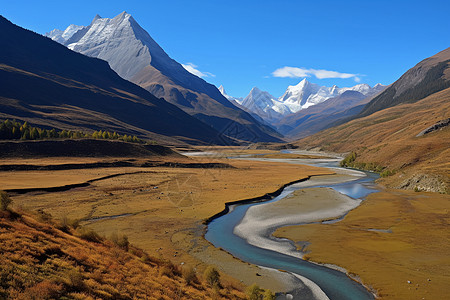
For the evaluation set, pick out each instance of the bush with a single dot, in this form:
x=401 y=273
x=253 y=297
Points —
x=189 y=274
x=120 y=241
x=254 y=292
x=348 y=160
x=75 y=279
x=387 y=173
x=268 y=295
x=5 y=200
x=212 y=276
x=90 y=235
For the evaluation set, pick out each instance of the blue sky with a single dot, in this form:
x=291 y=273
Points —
x=242 y=44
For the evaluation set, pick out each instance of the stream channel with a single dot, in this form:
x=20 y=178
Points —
x=321 y=282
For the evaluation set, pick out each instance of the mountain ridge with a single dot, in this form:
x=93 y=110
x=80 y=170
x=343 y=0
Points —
x=135 y=56
x=68 y=90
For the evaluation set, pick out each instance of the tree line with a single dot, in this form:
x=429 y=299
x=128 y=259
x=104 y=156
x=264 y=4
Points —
x=14 y=130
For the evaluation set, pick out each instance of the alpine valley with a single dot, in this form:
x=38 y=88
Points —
x=135 y=56
x=124 y=175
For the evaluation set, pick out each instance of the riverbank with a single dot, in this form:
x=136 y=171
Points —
x=395 y=242
x=157 y=204
x=301 y=206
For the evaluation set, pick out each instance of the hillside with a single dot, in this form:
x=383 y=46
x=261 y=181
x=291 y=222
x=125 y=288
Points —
x=49 y=85
x=135 y=56
x=389 y=138
x=40 y=261
x=429 y=76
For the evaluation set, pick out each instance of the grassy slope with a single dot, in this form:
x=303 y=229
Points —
x=39 y=261
x=388 y=138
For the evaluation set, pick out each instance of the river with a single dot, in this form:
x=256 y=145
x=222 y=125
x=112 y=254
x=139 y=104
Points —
x=319 y=282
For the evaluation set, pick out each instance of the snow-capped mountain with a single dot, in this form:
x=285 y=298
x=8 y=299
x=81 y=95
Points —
x=134 y=55
x=120 y=41
x=296 y=98
x=230 y=98
x=264 y=105
x=306 y=94
x=62 y=36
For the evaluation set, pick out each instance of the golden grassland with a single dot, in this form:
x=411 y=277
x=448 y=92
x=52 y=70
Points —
x=40 y=261
x=393 y=238
x=388 y=138
x=161 y=209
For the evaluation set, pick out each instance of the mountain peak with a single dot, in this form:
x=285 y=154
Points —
x=97 y=16
x=303 y=82
x=122 y=16
x=255 y=90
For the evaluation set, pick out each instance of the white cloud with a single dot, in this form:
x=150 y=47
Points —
x=294 y=72
x=191 y=68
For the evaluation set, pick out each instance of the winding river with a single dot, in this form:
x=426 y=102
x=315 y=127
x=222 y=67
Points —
x=319 y=282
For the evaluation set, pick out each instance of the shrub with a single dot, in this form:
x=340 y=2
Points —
x=387 y=173
x=348 y=160
x=254 y=292
x=75 y=279
x=90 y=235
x=5 y=200
x=268 y=295
x=189 y=274
x=120 y=241
x=43 y=290
x=212 y=276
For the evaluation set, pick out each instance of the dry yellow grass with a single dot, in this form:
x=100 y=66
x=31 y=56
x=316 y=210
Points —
x=411 y=242
x=388 y=138
x=153 y=208
x=39 y=261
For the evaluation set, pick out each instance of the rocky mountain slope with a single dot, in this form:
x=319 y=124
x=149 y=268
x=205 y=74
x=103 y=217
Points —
x=396 y=140
x=135 y=56
x=429 y=76
x=49 y=85
x=307 y=108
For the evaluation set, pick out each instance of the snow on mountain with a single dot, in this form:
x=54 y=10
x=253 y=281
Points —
x=134 y=55
x=122 y=42
x=230 y=98
x=264 y=105
x=306 y=94
x=297 y=97
x=62 y=36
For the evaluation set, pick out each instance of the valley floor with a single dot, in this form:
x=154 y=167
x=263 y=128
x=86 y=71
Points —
x=160 y=209
x=396 y=242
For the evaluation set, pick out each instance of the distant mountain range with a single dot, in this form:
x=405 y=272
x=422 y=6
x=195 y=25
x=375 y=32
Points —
x=306 y=108
x=405 y=129
x=46 y=84
x=135 y=56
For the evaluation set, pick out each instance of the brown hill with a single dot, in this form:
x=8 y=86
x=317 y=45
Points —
x=389 y=138
x=47 y=84
x=40 y=261
x=429 y=76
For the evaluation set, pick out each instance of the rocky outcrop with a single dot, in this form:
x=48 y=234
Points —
x=438 y=125
x=425 y=183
